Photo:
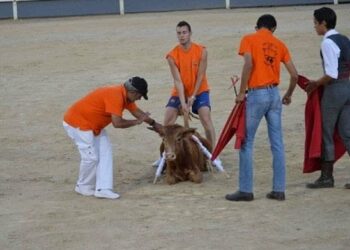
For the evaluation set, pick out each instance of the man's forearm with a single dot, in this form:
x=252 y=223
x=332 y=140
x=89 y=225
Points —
x=324 y=80
x=244 y=78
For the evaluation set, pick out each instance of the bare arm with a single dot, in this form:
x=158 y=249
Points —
x=312 y=85
x=246 y=71
x=201 y=71
x=178 y=83
x=145 y=117
x=120 y=122
x=200 y=75
x=287 y=98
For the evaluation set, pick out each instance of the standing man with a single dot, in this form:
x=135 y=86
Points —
x=335 y=103
x=188 y=65
x=263 y=53
x=85 y=123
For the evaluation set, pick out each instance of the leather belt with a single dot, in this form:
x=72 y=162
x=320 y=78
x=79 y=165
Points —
x=264 y=87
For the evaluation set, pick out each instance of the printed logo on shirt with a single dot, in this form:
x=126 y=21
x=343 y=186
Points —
x=270 y=53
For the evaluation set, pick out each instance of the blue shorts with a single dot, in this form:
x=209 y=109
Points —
x=202 y=100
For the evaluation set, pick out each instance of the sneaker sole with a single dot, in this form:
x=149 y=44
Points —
x=84 y=194
x=106 y=197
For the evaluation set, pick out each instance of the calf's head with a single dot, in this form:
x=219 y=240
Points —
x=176 y=139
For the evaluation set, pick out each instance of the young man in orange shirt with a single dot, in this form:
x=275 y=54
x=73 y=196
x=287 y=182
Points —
x=85 y=123
x=188 y=64
x=263 y=53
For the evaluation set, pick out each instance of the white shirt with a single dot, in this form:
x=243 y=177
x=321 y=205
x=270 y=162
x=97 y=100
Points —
x=331 y=54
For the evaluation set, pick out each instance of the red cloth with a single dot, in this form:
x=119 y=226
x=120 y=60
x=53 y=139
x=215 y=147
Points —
x=235 y=124
x=313 y=130
x=240 y=126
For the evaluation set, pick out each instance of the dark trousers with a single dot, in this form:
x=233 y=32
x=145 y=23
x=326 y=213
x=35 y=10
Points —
x=335 y=107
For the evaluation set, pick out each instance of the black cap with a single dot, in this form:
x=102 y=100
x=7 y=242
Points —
x=140 y=86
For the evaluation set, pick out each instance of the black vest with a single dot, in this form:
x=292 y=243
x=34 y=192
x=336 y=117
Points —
x=344 y=59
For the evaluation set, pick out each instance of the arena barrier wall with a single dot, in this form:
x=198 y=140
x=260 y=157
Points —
x=58 y=8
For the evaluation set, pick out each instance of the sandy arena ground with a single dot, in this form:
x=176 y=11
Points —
x=46 y=64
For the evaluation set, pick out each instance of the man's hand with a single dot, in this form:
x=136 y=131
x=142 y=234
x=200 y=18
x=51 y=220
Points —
x=158 y=128
x=144 y=116
x=190 y=101
x=287 y=99
x=240 y=97
x=311 y=86
x=185 y=109
x=138 y=121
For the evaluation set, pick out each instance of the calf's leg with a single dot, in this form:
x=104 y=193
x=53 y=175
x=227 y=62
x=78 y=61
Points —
x=195 y=176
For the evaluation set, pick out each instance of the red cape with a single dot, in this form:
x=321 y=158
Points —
x=235 y=124
x=313 y=130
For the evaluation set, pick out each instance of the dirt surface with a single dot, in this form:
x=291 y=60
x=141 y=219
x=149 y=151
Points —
x=46 y=64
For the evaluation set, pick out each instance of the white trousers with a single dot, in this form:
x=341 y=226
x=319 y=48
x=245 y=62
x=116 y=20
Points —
x=96 y=158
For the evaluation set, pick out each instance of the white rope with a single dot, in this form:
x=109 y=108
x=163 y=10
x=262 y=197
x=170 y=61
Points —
x=217 y=163
x=159 y=168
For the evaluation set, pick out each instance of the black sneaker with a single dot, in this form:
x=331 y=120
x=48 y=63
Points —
x=240 y=196
x=280 y=196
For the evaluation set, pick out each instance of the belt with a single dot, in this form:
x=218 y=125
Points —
x=264 y=87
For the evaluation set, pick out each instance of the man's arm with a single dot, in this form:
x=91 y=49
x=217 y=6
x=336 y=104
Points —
x=246 y=71
x=120 y=122
x=312 y=85
x=330 y=52
x=145 y=117
x=200 y=75
x=178 y=83
x=287 y=98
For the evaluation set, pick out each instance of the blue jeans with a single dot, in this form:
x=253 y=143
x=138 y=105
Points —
x=263 y=103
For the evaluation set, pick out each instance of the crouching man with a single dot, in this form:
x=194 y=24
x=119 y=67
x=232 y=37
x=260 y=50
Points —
x=85 y=123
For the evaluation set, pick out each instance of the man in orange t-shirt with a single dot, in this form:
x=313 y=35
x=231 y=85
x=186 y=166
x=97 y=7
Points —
x=85 y=123
x=188 y=64
x=263 y=53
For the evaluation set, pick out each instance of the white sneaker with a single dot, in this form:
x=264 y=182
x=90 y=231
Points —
x=84 y=191
x=106 y=193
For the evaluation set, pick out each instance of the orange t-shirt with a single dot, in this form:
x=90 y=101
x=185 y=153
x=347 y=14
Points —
x=187 y=62
x=93 y=112
x=267 y=53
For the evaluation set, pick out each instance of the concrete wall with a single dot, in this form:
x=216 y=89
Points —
x=256 y=3
x=5 y=10
x=66 y=8
x=132 y=6
x=56 y=8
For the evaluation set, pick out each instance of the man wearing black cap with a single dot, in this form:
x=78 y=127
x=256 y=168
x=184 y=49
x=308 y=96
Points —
x=85 y=123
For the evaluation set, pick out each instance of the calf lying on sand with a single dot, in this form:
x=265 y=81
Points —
x=183 y=156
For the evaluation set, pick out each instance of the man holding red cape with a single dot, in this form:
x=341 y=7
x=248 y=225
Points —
x=335 y=103
x=263 y=53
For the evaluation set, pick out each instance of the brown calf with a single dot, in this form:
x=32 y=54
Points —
x=184 y=159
